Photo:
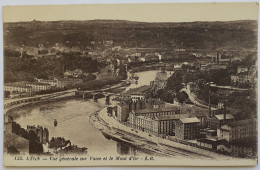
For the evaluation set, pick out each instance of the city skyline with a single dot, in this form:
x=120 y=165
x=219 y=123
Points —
x=134 y=12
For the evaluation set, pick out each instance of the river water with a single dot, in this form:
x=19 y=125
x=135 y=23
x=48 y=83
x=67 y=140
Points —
x=73 y=121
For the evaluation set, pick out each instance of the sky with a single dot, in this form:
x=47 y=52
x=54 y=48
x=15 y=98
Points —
x=135 y=12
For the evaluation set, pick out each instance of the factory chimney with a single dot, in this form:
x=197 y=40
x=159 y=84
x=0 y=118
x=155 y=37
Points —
x=218 y=54
x=225 y=111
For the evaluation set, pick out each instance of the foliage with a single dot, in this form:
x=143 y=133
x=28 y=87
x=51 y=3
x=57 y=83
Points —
x=11 y=53
x=245 y=103
x=90 y=77
x=6 y=94
x=174 y=82
x=185 y=35
x=123 y=72
x=97 y=84
x=219 y=76
x=27 y=68
x=182 y=97
x=52 y=90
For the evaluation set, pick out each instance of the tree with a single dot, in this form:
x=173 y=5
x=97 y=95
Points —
x=6 y=94
x=182 y=97
x=217 y=76
x=90 y=77
x=123 y=72
x=175 y=82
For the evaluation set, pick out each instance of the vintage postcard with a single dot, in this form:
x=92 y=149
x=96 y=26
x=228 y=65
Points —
x=130 y=85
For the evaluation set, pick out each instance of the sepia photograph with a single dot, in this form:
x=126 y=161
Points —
x=153 y=84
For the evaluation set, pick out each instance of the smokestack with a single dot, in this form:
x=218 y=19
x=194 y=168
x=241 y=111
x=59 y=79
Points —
x=209 y=107
x=225 y=110
x=217 y=56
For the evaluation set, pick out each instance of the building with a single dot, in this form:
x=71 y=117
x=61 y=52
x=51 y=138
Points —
x=242 y=77
x=159 y=82
x=74 y=73
x=38 y=86
x=42 y=133
x=200 y=113
x=218 y=120
x=241 y=69
x=154 y=103
x=187 y=128
x=61 y=83
x=234 y=78
x=144 y=123
x=166 y=124
x=147 y=120
x=156 y=112
x=123 y=110
x=19 y=95
x=165 y=121
x=14 y=87
x=140 y=93
x=207 y=143
x=58 y=83
x=237 y=130
x=243 y=149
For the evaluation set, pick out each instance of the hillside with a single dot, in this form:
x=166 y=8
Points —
x=241 y=35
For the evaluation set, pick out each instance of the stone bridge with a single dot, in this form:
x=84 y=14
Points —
x=92 y=94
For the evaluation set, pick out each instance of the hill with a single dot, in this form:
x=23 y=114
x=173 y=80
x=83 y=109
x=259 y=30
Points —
x=193 y=35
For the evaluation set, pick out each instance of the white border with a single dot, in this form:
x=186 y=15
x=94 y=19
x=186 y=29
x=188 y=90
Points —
x=52 y=2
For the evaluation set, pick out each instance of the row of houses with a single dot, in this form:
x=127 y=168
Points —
x=23 y=89
x=237 y=138
x=26 y=87
x=244 y=75
x=218 y=133
x=172 y=121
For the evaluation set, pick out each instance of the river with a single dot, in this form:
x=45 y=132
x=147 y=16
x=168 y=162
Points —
x=73 y=121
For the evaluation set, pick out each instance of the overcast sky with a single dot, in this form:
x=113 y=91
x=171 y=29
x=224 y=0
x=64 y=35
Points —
x=135 y=12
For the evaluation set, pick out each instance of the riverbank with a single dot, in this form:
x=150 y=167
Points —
x=39 y=99
x=140 y=139
x=111 y=127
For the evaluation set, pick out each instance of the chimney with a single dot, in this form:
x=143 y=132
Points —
x=213 y=113
x=209 y=107
x=225 y=111
x=218 y=56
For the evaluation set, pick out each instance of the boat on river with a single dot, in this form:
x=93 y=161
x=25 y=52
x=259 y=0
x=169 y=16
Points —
x=55 y=122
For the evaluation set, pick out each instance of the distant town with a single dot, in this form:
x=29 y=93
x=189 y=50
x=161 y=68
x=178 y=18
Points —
x=202 y=98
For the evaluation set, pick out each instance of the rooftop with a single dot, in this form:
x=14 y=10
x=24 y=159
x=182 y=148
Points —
x=221 y=116
x=144 y=117
x=164 y=109
x=16 y=85
x=210 y=141
x=179 y=116
x=190 y=120
x=36 y=83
